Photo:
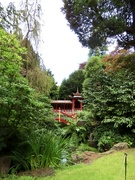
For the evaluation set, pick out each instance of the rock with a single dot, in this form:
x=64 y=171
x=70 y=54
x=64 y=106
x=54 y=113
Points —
x=91 y=141
x=42 y=172
x=89 y=153
x=120 y=146
x=76 y=158
x=5 y=164
x=108 y=152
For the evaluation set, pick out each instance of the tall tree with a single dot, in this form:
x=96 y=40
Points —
x=24 y=19
x=119 y=59
x=24 y=22
x=21 y=108
x=108 y=92
x=30 y=13
x=70 y=85
x=94 y=21
x=8 y=17
x=36 y=74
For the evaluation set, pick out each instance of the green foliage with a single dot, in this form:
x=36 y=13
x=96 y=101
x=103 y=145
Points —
x=54 y=91
x=96 y=21
x=33 y=69
x=110 y=99
x=21 y=109
x=85 y=147
x=29 y=18
x=87 y=120
x=129 y=138
x=110 y=96
x=77 y=133
x=100 y=52
x=69 y=86
x=93 y=64
x=84 y=115
x=106 y=136
x=41 y=149
x=107 y=140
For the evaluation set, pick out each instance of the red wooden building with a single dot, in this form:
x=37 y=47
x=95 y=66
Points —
x=74 y=104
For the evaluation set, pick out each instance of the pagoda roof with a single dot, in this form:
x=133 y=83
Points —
x=77 y=94
x=61 y=102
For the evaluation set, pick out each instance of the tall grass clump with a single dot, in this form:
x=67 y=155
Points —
x=41 y=149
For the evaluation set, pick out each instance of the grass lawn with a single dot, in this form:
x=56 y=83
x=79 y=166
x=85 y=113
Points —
x=108 y=167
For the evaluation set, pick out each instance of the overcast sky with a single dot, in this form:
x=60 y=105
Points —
x=61 y=50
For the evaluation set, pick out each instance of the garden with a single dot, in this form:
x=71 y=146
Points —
x=33 y=145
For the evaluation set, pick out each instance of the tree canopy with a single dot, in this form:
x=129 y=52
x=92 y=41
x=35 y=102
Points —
x=70 y=85
x=22 y=20
x=21 y=107
x=14 y=20
x=108 y=92
x=96 y=21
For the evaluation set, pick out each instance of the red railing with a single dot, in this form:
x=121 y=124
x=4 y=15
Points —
x=61 y=120
x=70 y=114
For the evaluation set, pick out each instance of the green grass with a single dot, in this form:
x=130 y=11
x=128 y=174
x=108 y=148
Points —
x=108 y=167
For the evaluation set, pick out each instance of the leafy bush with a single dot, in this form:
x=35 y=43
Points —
x=107 y=140
x=85 y=147
x=110 y=97
x=76 y=133
x=130 y=139
x=21 y=108
x=41 y=149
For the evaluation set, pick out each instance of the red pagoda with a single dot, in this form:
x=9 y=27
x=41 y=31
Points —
x=74 y=104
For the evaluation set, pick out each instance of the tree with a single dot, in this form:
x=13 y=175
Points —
x=25 y=19
x=93 y=79
x=37 y=75
x=119 y=59
x=69 y=86
x=21 y=108
x=110 y=98
x=53 y=85
x=98 y=51
x=96 y=21
x=92 y=65
x=30 y=13
x=29 y=17
x=8 y=16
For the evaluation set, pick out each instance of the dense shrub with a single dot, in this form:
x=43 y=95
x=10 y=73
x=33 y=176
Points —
x=110 y=97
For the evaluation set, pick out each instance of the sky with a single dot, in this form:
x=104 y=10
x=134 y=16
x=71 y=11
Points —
x=61 y=51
